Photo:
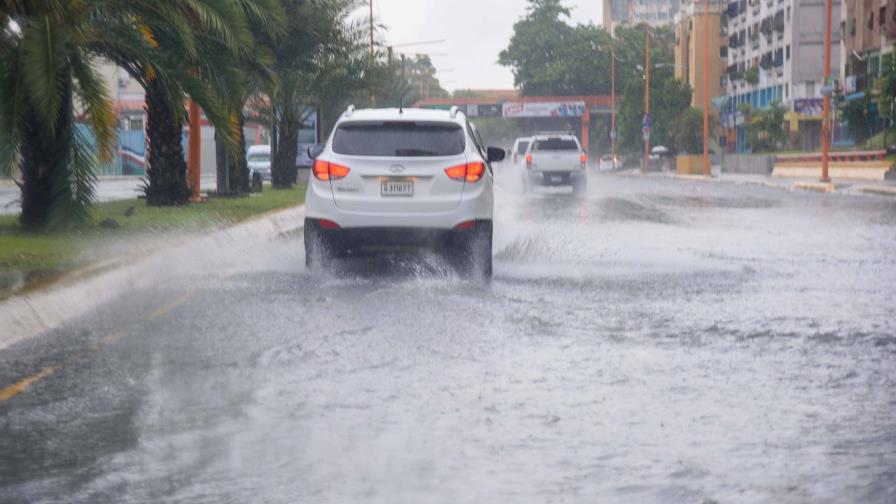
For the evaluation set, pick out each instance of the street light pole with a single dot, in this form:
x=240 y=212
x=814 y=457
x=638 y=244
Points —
x=613 y=98
x=372 y=94
x=707 y=171
x=647 y=97
x=826 y=124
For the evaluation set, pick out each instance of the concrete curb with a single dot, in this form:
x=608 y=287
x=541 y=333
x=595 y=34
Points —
x=24 y=317
x=878 y=190
x=822 y=187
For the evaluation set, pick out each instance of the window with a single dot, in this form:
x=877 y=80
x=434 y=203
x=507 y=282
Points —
x=786 y=90
x=810 y=89
x=555 y=144
x=399 y=139
x=788 y=13
x=871 y=22
x=521 y=148
x=787 y=52
x=723 y=52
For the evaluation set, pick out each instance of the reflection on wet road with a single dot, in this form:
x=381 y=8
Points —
x=659 y=341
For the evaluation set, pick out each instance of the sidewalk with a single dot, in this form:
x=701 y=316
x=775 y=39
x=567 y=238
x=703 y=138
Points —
x=839 y=186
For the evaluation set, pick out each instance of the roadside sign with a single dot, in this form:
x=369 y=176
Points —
x=647 y=122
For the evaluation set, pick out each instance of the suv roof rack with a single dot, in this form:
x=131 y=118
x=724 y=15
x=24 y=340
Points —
x=554 y=133
x=453 y=111
x=350 y=110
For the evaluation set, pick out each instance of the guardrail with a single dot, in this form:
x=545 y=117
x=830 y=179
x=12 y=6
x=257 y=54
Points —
x=835 y=157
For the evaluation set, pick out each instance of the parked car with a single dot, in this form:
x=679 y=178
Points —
x=609 y=163
x=391 y=179
x=555 y=159
x=519 y=148
x=259 y=159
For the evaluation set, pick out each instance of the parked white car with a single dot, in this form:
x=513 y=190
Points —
x=390 y=179
x=555 y=159
x=259 y=159
x=520 y=145
x=609 y=163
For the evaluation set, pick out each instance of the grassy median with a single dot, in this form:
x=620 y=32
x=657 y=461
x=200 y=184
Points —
x=32 y=258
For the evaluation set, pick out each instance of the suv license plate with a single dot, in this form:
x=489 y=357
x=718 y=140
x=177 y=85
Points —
x=397 y=188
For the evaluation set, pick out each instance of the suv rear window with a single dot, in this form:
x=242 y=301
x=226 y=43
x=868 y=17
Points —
x=555 y=144
x=521 y=148
x=399 y=139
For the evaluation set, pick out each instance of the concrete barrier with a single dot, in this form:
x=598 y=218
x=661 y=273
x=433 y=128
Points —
x=858 y=170
x=689 y=165
x=748 y=164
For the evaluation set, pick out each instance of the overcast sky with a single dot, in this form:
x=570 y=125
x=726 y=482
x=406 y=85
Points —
x=475 y=32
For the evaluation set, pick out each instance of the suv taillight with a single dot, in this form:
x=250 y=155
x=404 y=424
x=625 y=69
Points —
x=528 y=160
x=471 y=172
x=583 y=159
x=324 y=170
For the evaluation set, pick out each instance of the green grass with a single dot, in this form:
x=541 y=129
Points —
x=28 y=258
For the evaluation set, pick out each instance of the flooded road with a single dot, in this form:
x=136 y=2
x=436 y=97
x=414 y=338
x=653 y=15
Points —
x=659 y=341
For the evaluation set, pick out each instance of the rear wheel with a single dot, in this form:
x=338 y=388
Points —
x=474 y=252
x=580 y=186
x=318 y=249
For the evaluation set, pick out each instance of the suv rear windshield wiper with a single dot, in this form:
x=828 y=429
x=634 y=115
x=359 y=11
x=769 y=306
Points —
x=414 y=152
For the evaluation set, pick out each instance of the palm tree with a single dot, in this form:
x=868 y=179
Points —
x=46 y=78
x=322 y=61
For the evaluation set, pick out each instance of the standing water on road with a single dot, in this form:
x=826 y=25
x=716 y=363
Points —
x=657 y=341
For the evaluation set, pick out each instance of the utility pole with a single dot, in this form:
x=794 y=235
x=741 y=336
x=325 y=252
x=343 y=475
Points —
x=707 y=169
x=194 y=156
x=613 y=97
x=647 y=122
x=826 y=123
x=372 y=94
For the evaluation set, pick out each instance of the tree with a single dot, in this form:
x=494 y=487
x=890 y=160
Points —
x=322 y=60
x=46 y=79
x=687 y=135
x=764 y=127
x=668 y=99
x=549 y=57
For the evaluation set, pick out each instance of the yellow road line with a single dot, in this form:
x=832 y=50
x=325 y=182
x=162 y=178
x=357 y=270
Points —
x=17 y=388
x=20 y=387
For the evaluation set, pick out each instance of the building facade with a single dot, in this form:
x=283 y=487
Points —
x=689 y=46
x=776 y=55
x=633 y=12
x=869 y=33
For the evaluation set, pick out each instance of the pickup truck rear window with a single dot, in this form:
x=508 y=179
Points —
x=399 y=139
x=555 y=144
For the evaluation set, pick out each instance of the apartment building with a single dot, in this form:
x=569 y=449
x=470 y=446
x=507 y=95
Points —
x=633 y=12
x=776 y=54
x=689 y=46
x=869 y=33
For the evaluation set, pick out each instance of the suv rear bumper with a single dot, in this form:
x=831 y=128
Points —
x=555 y=178
x=388 y=239
x=476 y=204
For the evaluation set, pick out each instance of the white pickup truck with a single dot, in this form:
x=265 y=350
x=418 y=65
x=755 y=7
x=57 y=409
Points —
x=555 y=159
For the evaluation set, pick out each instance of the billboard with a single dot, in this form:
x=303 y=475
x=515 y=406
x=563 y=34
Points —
x=544 y=109
x=808 y=106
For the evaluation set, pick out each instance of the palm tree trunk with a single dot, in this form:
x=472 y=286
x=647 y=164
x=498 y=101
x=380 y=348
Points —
x=167 y=169
x=283 y=169
x=240 y=166
x=45 y=158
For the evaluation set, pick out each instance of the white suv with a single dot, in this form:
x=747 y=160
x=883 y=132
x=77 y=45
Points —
x=392 y=179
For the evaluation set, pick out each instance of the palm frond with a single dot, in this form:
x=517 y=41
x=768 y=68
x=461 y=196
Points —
x=100 y=114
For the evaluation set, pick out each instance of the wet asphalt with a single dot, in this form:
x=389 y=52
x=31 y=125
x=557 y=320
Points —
x=659 y=341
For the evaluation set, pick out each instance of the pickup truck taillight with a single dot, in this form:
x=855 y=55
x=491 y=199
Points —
x=529 y=161
x=583 y=159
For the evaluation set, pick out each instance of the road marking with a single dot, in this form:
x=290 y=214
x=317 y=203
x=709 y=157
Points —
x=20 y=387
